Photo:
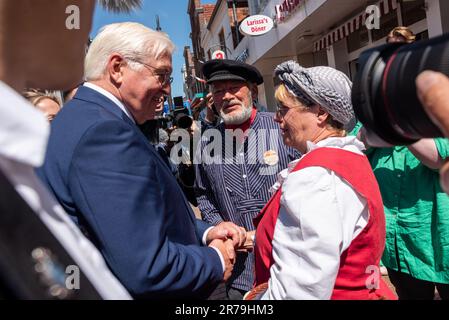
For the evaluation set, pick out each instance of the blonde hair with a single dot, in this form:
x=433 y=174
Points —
x=403 y=32
x=36 y=95
x=282 y=95
x=132 y=40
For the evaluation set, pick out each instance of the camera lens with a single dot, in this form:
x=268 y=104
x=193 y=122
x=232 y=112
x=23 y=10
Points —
x=384 y=91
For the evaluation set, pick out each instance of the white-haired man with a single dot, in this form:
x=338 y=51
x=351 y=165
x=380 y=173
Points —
x=111 y=180
x=39 y=242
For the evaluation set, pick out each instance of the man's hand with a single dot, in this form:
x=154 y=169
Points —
x=227 y=251
x=248 y=246
x=226 y=230
x=433 y=91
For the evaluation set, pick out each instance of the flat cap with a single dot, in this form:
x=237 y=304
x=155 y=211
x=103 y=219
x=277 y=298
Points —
x=222 y=70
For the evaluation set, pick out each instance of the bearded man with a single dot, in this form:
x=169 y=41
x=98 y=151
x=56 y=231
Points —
x=237 y=161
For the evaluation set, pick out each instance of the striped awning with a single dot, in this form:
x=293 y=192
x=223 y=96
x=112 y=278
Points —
x=353 y=25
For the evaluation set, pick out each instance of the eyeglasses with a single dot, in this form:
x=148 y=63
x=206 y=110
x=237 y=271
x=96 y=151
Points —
x=164 y=78
x=281 y=111
x=233 y=89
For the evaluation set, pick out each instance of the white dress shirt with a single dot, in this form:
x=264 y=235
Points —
x=23 y=139
x=320 y=216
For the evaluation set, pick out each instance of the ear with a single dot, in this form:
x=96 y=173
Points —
x=254 y=91
x=115 y=68
x=322 y=116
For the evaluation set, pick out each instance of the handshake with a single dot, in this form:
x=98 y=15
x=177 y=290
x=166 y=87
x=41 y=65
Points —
x=229 y=238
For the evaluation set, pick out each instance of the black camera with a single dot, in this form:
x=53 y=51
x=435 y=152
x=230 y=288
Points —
x=182 y=118
x=384 y=91
x=179 y=118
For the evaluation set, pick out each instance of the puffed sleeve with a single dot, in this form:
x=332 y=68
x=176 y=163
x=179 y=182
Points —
x=319 y=217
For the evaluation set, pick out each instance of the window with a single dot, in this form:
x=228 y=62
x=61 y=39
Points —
x=222 y=41
x=422 y=35
x=387 y=23
x=258 y=6
x=237 y=12
x=353 y=68
x=358 y=39
x=320 y=58
x=413 y=11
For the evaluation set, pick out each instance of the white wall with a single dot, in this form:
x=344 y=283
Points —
x=220 y=22
x=260 y=45
x=434 y=18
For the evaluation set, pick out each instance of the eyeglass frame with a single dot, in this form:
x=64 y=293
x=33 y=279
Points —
x=281 y=110
x=168 y=80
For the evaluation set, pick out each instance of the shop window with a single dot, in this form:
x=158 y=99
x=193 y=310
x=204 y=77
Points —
x=422 y=36
x=258 y=5
x=387 y=23
x=222 y=40
x=413 y=11
x=358 y=39
x=237 y=10
x=320 y=58
x=234 y=36
x=353 y=68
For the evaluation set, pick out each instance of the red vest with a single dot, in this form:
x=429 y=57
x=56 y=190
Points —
x=354 y=278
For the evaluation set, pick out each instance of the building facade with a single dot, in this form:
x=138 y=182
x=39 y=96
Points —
x=200 y=15
x=318 y=32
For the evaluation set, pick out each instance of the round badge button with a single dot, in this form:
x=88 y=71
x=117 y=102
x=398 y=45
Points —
x=270 y=157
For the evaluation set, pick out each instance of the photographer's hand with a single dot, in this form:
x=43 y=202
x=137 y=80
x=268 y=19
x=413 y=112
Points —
x=425 y=150
x=433 y=91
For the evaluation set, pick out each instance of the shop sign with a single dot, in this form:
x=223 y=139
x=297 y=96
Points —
x=286 y=8
x=256 y=25
x=218 y=54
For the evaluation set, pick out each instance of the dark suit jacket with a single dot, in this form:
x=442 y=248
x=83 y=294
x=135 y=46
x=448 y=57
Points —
x=113 y=183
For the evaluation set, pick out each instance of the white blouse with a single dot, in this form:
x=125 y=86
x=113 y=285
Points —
x=320 y=216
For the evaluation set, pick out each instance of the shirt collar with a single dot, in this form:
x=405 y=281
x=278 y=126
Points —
x=338 y=142
x=24 y=130
x=110 y=96
x=350 y=142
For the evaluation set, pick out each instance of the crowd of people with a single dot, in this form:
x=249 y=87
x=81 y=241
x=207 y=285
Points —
x=298 y=204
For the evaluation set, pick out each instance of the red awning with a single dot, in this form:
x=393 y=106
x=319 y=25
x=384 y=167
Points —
x=352 y=25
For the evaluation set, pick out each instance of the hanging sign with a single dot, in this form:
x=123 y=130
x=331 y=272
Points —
x=256 y=25
x=218 y=54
